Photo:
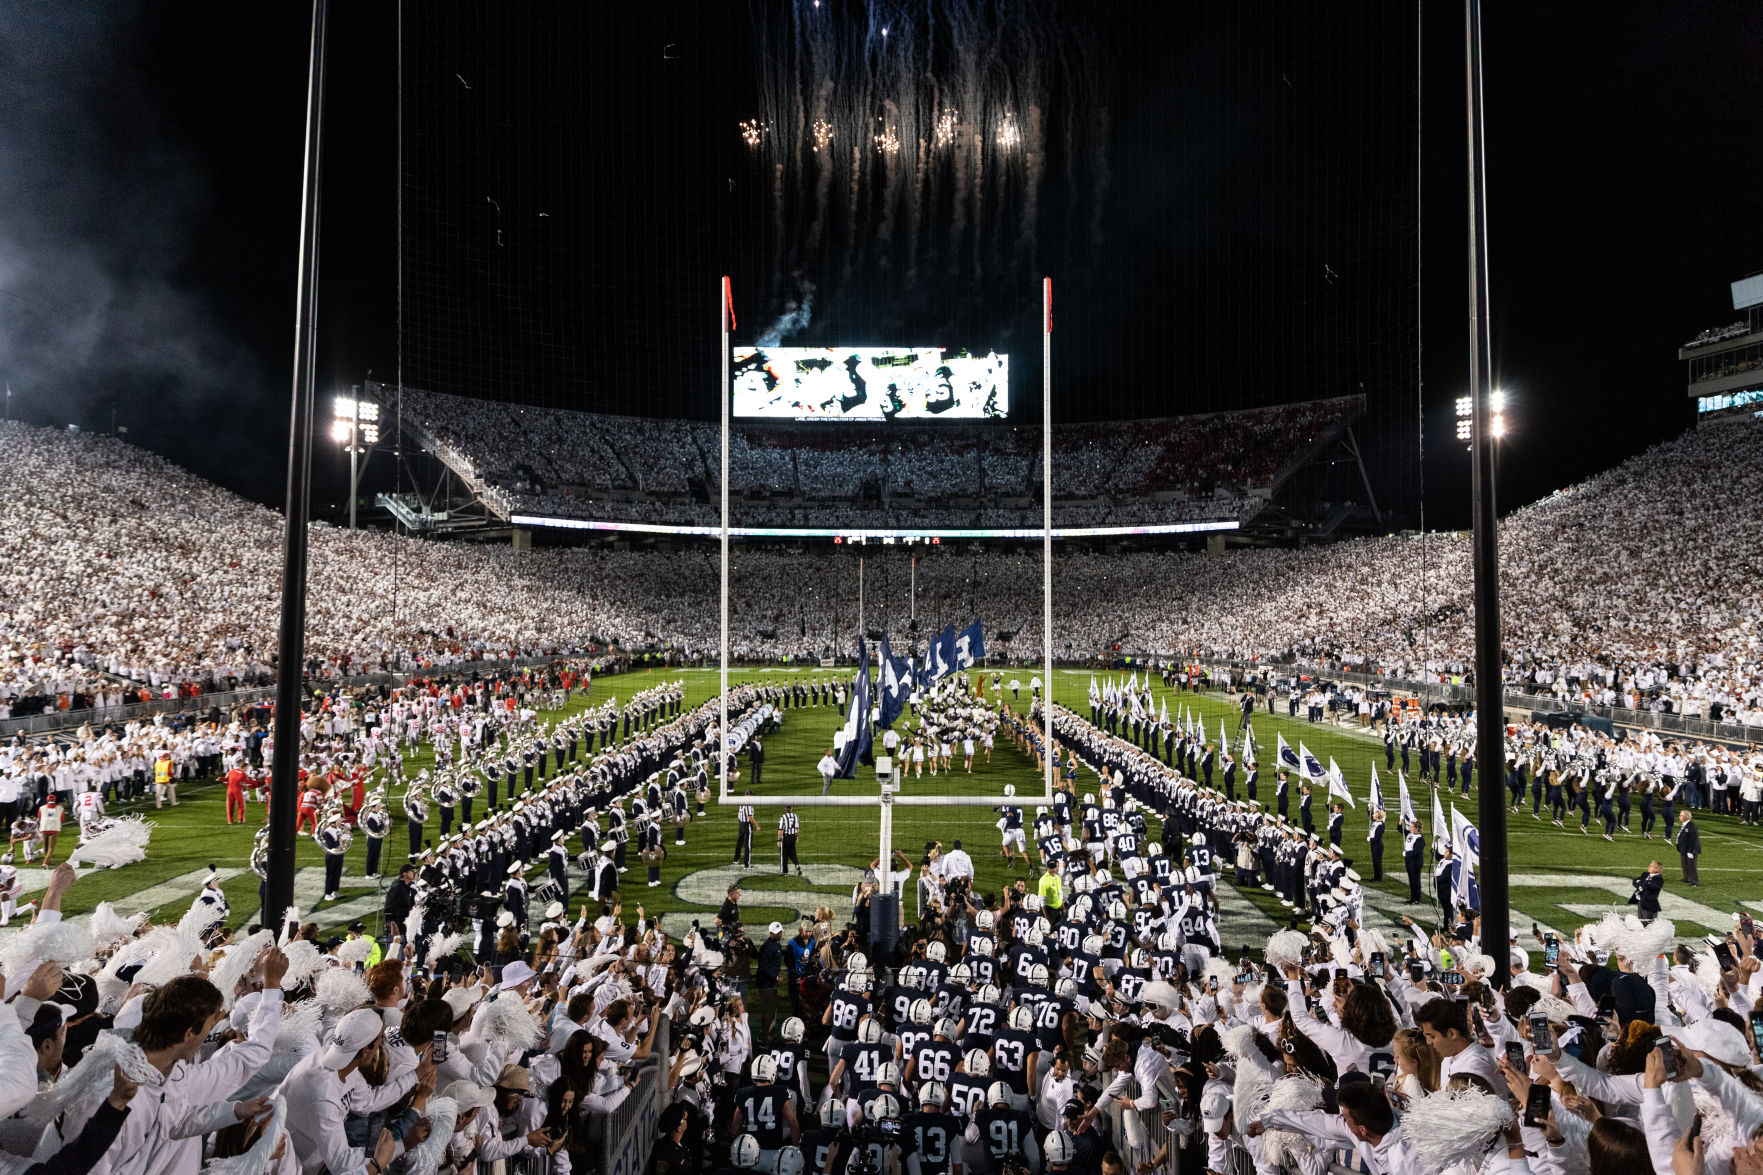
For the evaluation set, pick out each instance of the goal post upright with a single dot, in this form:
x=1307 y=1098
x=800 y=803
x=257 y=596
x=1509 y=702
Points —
x=727 y=313
x=1050 y=756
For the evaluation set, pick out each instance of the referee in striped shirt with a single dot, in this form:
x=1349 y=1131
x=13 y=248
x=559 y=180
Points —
x=789 y=825
x=744 y=835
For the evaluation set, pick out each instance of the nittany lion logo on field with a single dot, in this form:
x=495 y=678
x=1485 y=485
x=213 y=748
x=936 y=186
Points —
x=819 y=885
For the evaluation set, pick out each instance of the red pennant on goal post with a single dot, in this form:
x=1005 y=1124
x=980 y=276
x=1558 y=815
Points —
x=728 y=300
x=1047 y=299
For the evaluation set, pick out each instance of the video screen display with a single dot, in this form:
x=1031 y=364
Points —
x=869 y=384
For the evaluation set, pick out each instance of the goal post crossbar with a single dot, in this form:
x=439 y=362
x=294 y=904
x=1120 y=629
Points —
x=777 y=801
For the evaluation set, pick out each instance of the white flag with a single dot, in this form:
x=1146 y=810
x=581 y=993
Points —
x=1441 y=829
x=1337 y=784
x=1408 y=816
x=1374 y=799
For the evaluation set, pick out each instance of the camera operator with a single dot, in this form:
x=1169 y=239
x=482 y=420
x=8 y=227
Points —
x=875 y=1143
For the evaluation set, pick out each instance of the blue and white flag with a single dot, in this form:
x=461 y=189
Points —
x=1288 y=758
x=1465 y=840
x=1374 y=801
x=896 y=684
x=857 y=745
x=1312 y=767
x=1095 y=693
x=1408 y=816
x=939 y=659
x=1441 y=828
x=970 y=646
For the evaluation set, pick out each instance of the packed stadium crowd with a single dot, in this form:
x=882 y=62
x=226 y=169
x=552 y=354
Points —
x=1632 y=587
x=531 y=454
x=1090 y=1021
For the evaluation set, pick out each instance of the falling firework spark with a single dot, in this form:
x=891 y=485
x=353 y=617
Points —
x=948 y=126
x=753 y=131
x=1009 y=134
x=904 y=159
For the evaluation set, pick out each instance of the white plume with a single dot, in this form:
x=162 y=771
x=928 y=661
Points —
x=236 y=963
x=41 y=942
x=1287 y=1093
x=441 y=947
x=304 y=960
x=122 y=843
x=89 y=1082
x=1451 y=1127
x=355 y=950
x=290 y=924
x=1555 y=1008
x=297 y=1034
x=507 y=1020
x=175 y=953
x=339 y=989
x=1475 y=965
x=109 y=928
x=1719 y=1136
x=1640 y=943
x=257 y=1160
x=1285 y=948
x=1373 y=942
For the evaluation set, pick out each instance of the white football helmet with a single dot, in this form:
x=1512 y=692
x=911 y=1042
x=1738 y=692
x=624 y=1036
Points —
x=745 y=1151
x=1010 y=789
x=997 y=1095
x=1168 y=941
x=1140 y=958
x=888 y=1074
x=912 y=977
x=793 y=1030
x=1034 y=937
x=983 y=919
x=1037 y=975
x=870 y=1031
x=1066 y=989
x=764 y=1069
x=882 y=1107
x=933 y=1094
x=988 y=993
x=977 y=1062
x=1117 y=910
x=961 y=975
x=1032 y=903
x=1093 y=944
x=1044 y=926
x=1059 y=1149
x=857 y=962
x=833 y=1116
x=919 y=1012
x=1021 y=1019
x=982 y=947
x=935 y=951
x=789 y=1161
x=946 y=1028
x=1154 y=849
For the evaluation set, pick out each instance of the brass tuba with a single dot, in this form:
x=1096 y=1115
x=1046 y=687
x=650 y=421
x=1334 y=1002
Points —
x=375 y=821
x=331 y=816
x=416 y=803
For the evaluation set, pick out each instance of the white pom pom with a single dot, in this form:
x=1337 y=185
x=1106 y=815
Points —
x=355 y=950
x=507 y=1020
x=1451 y=1127
x=1285 y=948
x=236 y=963
x=442 y=946
x=304 y=960
x=341 y=990
x=42 y=942
x=109 y=928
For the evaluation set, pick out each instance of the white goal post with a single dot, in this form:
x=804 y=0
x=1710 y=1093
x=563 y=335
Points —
x=889 y=795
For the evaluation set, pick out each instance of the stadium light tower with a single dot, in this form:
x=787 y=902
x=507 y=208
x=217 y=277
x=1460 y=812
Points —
x=355 y=424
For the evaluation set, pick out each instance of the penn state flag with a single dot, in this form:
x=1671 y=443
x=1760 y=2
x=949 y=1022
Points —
x=1312 y=766
x=939 y=659
x=857 y=747
x=1408 y=816
x=970 y=646
x=1288 y=758
x=1375 y=799
x=896 y=684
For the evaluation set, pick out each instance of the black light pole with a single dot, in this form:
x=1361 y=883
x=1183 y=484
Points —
x=1490 y=713
x=291 y=655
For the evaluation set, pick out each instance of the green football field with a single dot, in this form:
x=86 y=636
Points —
x=1559 y=878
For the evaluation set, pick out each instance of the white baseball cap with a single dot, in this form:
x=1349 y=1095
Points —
x=1215 y=1103
x=515 y=974
x=355 y=1032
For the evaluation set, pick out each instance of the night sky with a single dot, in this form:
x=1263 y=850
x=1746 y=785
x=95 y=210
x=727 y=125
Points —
x=150 y=171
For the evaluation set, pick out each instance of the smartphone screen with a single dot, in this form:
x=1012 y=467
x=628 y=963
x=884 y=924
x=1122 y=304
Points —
x=1606 y=1005
x=1416 y=969
x=1212 y=984
x=1668 y=1054
x=1451 y=977
x=1515 y=1054
x=1551 y=953
x=1757 y=1029
x=1694 y=1130
x=438 y=1052
x=1542 y=1038
x=1377 y=971
x=1536 y=1105
x=1723 y=953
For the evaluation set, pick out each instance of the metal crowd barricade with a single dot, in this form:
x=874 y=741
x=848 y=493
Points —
x=629 y=1132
